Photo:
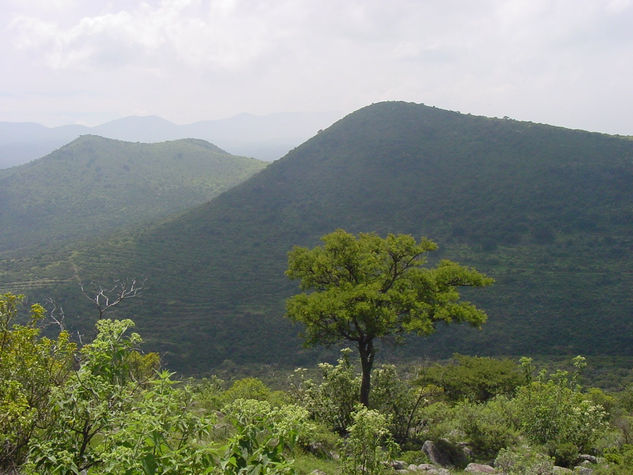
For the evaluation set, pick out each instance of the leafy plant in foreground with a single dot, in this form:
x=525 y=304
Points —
x=263 y=437
x=331 y=401
x=363 y=450
x=31 y=367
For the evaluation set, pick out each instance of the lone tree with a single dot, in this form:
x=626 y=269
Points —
x=367 y=287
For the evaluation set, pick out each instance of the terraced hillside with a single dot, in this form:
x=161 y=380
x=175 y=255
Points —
x=546 y=211
x=94 y=186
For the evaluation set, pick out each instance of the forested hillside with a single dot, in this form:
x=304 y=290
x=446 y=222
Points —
x=94 y=186
x=546 y=211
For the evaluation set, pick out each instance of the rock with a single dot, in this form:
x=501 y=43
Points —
x=425 y=467
x=317 y=472
x=398 y=464
x=444 y=453
x=588 y=458
x=582 y=470
x=465 y=448
x=428 y=469
x=317 y=448
x=558 y=469
x=479 y=468
x=434 y=454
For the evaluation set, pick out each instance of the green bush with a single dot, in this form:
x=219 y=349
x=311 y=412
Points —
x=438 y=420
x=31 y=366
x=565 y=453
x=368 y=444
x=474 y=378
x=524 y=461
x=263 y=437
x=159 y=435
x=622 y=455
x=552 y=413
x=246 y=388
x=487 y=426
x=332 y=400
x=397 y=399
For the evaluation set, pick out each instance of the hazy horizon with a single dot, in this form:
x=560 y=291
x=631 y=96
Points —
x=564 y=63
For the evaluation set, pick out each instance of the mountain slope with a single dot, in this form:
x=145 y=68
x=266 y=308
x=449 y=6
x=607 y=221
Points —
x=264 y=137
x=546 y=211
x=93 y=186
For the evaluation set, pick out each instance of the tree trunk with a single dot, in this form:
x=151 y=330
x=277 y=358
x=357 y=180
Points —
x=367 y=352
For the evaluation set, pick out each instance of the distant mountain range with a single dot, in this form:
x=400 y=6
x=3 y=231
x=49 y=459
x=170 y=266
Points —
x=265 y=137
x=546 y=211
x=94 y=186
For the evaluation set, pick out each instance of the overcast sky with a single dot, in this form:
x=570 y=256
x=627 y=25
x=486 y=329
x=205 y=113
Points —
x=563 y=62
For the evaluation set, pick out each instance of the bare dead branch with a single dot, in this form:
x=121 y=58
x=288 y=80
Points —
x=55 y=314
x=104 y=299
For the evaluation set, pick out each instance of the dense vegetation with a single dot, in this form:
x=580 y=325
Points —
x=364 y=288
x=94 y=186
x=105 y=407
x=547 y=212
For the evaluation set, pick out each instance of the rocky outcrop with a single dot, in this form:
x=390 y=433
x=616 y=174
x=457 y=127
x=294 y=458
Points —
x=445 y=454
x=479 y=468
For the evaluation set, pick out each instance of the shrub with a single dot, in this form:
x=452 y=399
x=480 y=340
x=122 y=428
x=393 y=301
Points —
x=524 y=461
x=565 y=453
x=552 y=413
x=246 y=388
x=398 y=400
x=332 y=400
x=474 y=378
x=363 y=449
x=487 y=426
x=263 y=437
x=31 y=366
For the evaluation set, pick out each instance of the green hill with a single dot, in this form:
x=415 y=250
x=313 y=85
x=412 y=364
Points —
x=94 y=186
x=546 y=211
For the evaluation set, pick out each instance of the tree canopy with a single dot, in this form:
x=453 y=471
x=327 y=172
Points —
x=366 y=287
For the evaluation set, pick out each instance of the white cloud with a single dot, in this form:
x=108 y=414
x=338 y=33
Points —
x=195 y=59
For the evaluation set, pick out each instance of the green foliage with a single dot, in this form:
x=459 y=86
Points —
x=607 y=401
x=368 y=444
x=438 y=420
x=399 y=400
x=488 y=426
x=161 y=434
x=366 y=287
x=545 y=210
x=85 y=407
x=551 y=412
x=622 y=455
x=333 y=399
x=103 y=409
x=247 y=388
x=96 y=185
x=263 y=437
x=524 y=460
x=109 y=415
x=415 y=457
x=474 y=378
x=565 y=453
x=208 y=392
x=31 y=366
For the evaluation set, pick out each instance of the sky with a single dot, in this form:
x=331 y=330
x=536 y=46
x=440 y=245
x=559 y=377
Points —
x=561 y=62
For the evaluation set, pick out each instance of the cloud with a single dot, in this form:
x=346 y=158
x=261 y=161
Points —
x=206 y=34
x=530 y=59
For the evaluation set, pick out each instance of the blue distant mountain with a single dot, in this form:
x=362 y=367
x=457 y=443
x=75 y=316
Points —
x=263 y=137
